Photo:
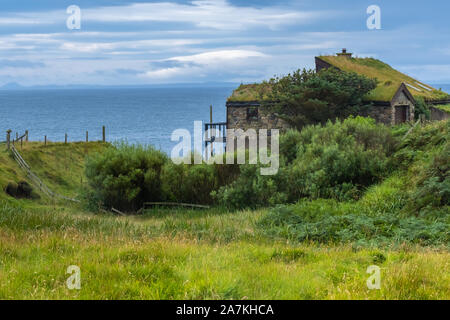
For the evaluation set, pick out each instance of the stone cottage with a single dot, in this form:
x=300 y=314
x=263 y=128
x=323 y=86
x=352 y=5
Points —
x=393 y=99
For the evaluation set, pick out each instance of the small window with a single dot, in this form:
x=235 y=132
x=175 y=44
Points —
x=252 y=114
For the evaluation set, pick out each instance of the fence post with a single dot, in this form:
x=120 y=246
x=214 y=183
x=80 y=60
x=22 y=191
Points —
x=212 y=127
x=8 y=139
x=45 y=140
x=26 y=135
x=65 y=138
x=422 y=118
x=104 y=133
x=87 y=136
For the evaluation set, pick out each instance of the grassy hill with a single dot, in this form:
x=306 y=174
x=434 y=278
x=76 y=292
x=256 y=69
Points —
x=60 y=166
x=213 y=253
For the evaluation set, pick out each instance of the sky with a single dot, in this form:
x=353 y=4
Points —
x=158 y=42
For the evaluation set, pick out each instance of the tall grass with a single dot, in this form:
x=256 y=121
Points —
x=208 y=255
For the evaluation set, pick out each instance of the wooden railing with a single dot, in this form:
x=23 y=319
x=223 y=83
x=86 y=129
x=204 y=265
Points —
x=215 y=133
x=31 y=175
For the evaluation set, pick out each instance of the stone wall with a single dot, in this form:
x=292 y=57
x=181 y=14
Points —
x=381 y=113
x=241 y=115
x=237 y=117
x=320 y=64
x=437 y=114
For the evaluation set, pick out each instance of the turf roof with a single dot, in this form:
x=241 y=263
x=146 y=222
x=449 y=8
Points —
x=445 y=108
x=389 y=81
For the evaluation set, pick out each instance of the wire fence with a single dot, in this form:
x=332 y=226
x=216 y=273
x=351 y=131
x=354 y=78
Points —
x=35 y=179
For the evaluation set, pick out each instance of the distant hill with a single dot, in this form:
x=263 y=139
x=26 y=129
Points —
x=11 y=86
x=16 y=86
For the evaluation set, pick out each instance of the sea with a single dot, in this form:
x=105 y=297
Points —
x=136 y=115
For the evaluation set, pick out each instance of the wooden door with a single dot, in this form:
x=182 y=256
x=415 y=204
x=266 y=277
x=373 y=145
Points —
x=401 y=114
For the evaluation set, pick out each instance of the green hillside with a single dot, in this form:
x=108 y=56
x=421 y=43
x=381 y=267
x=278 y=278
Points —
x=60 y=166
x=312 y=249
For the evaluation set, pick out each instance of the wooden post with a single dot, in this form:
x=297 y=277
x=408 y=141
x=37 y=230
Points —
x=26 y=135
x=211 y=133
x=8 y=139
x=65 y=139
x=422 y=118
x=104 y=133
x=87 y=136
x=45 y=140
x=210 y=114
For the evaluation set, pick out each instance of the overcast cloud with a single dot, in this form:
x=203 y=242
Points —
x=146 y=42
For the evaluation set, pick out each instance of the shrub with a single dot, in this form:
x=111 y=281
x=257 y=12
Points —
x=337 y=160
x=125 y=176
x=11 y=189
x=306 y=97
x=251 y=189
x=328 y=221
x=289 y=145
x=389 y=196
x=21 y=190
x=424 y=156
x=189 y=183
x=421 y=108
x=433 y=188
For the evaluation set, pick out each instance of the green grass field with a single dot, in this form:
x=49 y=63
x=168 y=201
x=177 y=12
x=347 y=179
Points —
x=182 y=254
x=196 y=255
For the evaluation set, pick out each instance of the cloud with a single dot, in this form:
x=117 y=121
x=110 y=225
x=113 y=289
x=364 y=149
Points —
x=204 y=40
x=215 y=14
x=169 y=73
x=218 y=57
x=128 y=45
x=120 y=71
x=206 y=64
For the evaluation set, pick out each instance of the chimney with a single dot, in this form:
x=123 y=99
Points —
x=344 y=53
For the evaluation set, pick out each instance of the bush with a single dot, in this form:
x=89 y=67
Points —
x=306 y=97
x=433 y=188
x=389 y=196
x=337 y=160
x=328 y=221
x=21 y=190
x=125 y=176
x=421 y=108
x=424 y=156
x=251 y=189
x=289 y=145
x=189 y=183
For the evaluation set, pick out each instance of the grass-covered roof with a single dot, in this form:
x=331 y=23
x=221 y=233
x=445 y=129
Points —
x=389 y=81
x=445 y=107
